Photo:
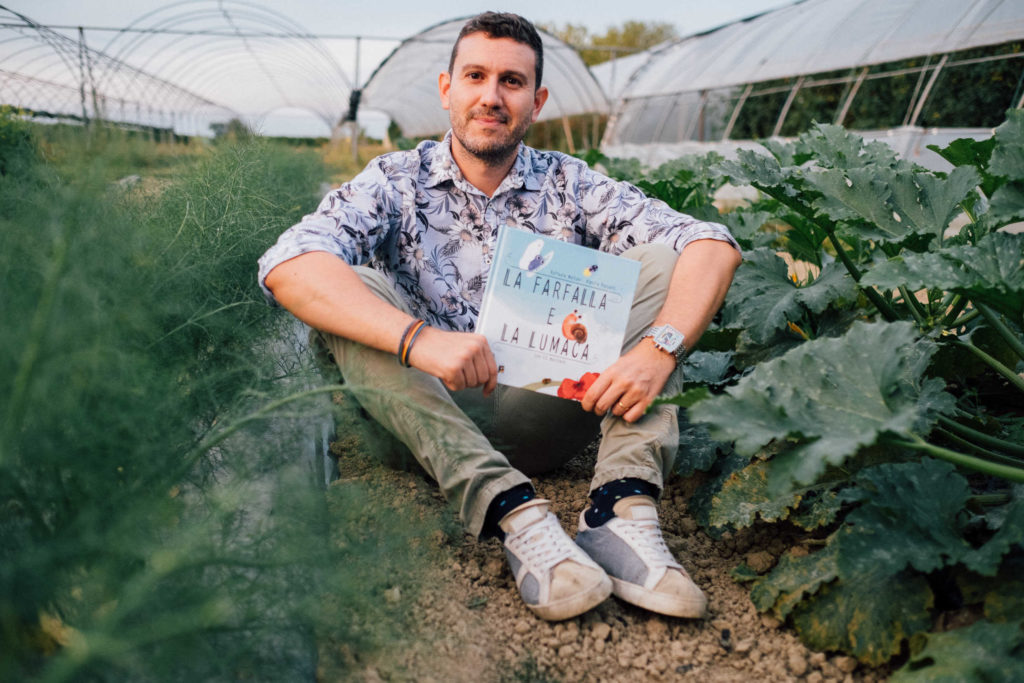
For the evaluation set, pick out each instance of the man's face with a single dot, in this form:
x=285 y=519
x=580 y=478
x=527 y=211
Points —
x=491 y=96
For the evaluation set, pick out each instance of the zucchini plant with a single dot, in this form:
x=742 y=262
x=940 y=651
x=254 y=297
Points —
x=864 y=385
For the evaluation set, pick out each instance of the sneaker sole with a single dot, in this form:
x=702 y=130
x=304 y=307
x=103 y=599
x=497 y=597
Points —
x=575 y=605
x=658 y=602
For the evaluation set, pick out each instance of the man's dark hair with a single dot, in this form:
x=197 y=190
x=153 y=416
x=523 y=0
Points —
x=503 y=25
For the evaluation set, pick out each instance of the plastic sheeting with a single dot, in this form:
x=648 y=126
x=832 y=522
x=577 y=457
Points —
x=404 y=86
x=613 y=75
x=687 y=91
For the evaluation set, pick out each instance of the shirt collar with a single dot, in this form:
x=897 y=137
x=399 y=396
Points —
x=443 y=168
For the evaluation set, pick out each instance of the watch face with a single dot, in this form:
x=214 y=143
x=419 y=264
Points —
x=668 y=338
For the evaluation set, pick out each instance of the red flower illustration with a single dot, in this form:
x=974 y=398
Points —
x=575 y=389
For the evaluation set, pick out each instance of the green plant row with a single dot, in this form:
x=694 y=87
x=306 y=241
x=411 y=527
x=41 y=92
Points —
x=864 y=384
x=157 y=520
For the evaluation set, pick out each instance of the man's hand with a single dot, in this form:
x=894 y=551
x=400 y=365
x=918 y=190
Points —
x=631 y=383
x=459 y=359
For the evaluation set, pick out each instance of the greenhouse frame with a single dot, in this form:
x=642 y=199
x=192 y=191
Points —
x=404 y=86
x=910 y=72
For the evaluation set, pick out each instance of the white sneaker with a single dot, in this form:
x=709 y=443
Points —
x=630 y=548
x=555 y=578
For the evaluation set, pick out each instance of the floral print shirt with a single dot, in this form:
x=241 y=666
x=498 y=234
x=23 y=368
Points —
x=414 y=217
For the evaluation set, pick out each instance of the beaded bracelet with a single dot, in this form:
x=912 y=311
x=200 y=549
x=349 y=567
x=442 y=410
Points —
x=408 y=347
x=401 y=342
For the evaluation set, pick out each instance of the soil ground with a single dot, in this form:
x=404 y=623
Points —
x=465 y=621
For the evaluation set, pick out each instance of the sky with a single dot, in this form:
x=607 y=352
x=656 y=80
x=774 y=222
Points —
x=394 y=19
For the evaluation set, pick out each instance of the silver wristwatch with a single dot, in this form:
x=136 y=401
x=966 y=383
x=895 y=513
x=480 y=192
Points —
x=668 y=339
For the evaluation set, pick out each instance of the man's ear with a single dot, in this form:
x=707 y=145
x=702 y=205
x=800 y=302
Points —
x=539 y=98
x=444 y=84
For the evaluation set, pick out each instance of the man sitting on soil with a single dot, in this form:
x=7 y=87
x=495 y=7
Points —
x=424 y=222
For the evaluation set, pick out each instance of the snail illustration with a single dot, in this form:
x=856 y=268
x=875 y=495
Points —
x=573 y=329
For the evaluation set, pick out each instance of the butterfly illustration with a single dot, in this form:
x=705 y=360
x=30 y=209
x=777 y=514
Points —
x=590 y=271
x=532 y=260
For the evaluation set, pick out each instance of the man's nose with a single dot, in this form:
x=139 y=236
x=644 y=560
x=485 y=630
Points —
x=490 y=93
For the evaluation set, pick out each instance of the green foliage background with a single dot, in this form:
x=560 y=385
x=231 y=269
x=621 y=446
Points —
x=865 y=386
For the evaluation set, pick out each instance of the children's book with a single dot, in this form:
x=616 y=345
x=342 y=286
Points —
x=555 y=313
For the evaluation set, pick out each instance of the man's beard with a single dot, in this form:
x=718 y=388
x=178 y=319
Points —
x=493 y=151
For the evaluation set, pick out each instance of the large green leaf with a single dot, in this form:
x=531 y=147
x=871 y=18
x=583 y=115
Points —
x=748 y=227
x=1009 y=533
x=793 y=579
x=1008 y=202
x=745 y=496
x=835 y=396
x=835 y=147
x=1007 y=158
x=971 y=152
x=891 y=206
x=991 y=272
x=817 y=511
x=867 y=615
x=908 y=516
x=708 y=367
x=1005 y=600
x=980 y=652
x=699 y=504
x=1002 y=595
x=697 y=450
x=1007 y=162
x=765 y=300
x=752 y=168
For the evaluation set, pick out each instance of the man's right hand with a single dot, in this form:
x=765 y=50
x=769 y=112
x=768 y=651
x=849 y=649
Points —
x=459 y=359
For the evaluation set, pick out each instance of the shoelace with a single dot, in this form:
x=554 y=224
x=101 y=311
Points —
x=646 y=539
x=542 y=544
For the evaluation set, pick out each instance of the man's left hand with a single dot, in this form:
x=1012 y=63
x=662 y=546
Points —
x=631 y=383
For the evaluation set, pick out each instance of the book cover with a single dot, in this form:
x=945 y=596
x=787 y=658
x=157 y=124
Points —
x=554 y=313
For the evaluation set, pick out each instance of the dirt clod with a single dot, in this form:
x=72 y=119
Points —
x=845 y=664
x=760 y=561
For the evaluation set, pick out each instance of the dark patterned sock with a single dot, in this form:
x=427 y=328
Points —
x=603 y=498
x=502 y=505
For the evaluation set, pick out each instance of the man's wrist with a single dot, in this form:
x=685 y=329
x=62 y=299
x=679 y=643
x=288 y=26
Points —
x=668 y=340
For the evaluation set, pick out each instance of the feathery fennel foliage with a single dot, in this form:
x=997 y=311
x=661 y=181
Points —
x=159 y=522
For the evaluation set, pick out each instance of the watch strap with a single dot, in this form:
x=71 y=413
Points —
x=679 y=353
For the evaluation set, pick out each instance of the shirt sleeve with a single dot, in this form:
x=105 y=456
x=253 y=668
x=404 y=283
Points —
x=350 y=222
x=619 y=216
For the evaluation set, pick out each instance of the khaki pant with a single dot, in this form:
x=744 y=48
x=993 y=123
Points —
x=513 y=432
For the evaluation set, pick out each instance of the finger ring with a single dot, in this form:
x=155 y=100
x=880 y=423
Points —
x=622 y=404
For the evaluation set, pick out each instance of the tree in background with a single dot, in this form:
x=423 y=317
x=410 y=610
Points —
x=616 y=41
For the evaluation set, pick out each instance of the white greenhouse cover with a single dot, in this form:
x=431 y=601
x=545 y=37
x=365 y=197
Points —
x=824 y=35
x=614 y=74
x=405 y=85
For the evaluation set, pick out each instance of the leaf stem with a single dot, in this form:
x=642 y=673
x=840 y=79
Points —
x=983 y=452
x=33 y=346
x=981 y=437
x=1014 y=474
x=1015 y=379
x=914 y=307
x=966 y=318
x=990 y=499
x=995 y=320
